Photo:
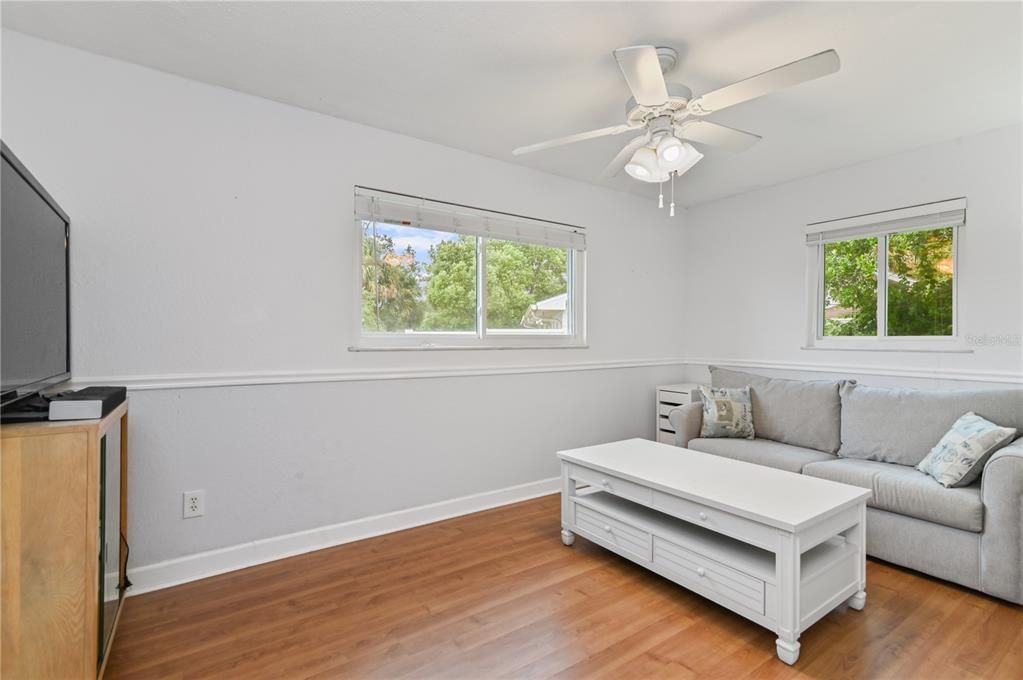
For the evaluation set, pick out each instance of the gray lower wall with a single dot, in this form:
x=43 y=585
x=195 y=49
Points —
x=283 y=458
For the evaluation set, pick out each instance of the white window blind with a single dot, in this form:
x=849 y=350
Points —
x=951 y=213
x=382 y=206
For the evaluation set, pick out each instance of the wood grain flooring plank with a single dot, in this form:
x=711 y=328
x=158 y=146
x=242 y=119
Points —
x=496 y=594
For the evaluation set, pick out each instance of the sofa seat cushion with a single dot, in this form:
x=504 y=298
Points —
x=762 y=452
x=907 y=491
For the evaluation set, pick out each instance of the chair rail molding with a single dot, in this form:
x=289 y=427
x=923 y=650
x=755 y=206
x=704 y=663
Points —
x=1003 y=377
x=177 y=381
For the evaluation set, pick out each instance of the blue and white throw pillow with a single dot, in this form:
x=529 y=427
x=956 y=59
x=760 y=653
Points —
x=727 y=412
x=958 y=459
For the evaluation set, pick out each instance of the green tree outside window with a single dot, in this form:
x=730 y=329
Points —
x=400 y=293
x=919 y=285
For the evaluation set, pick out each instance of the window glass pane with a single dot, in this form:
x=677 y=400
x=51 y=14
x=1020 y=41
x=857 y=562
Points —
x=850 y=287
x=920 y=282
x=527 y=288
x=417 y=280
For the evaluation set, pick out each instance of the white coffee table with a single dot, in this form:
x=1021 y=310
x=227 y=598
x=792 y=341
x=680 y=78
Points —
x=779 y=548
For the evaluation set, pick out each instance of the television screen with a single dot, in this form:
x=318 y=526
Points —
x=33 y=283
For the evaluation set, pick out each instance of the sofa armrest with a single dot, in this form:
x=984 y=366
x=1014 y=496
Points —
x=1001 y=545
x=687 y=421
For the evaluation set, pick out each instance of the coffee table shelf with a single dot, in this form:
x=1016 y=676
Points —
x=754 y=561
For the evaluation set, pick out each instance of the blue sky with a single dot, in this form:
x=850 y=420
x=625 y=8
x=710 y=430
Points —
x=419 y=239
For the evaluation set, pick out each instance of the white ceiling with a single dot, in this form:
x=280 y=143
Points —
x=488 y=77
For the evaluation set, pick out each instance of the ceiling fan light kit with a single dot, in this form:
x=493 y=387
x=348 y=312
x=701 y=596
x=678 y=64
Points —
x=670 y=118
x=649 y=164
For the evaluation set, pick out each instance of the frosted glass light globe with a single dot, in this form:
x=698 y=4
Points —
x=643 y=165
x=669 y=150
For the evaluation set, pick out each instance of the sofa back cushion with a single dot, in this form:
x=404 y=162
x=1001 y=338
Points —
x=802 y=413
x=898 y=425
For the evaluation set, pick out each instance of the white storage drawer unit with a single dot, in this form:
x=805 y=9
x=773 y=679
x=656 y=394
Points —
x=699 y=572
x=733 y=573
x=669 y=397
x=725 y=523
x=596 y=525
x=611 y=484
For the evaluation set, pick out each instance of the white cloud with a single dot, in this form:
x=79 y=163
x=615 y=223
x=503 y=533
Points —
x=419 y=239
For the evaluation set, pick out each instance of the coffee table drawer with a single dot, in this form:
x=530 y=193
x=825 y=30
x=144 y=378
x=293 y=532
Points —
x=696 y=571
x=612 y=484
x=613 y=530
x=744 y=529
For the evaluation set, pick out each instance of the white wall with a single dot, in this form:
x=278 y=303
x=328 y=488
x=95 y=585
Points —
x=212 y=255
x=212 y=244
x=745 y=296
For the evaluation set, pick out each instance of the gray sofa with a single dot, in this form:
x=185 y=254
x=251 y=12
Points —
x=873 y=437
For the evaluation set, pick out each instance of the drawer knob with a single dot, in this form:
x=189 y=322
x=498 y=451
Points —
x=605 y=483
x=703 y=516
x=607 y=528
x=700 y=571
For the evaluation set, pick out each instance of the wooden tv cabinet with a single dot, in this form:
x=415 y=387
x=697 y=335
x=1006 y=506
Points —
x=59 y=604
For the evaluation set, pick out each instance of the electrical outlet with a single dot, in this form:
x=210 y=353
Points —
x=193 y=504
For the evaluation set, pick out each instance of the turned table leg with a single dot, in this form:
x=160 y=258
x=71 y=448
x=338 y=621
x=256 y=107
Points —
x=567 y=491
x=858 y=536
x=787 y=568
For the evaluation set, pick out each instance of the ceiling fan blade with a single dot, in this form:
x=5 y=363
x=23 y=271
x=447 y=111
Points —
x=767 y=82
x=715 y=134
x=642 y=71
x=615 y=166
x=571 y=139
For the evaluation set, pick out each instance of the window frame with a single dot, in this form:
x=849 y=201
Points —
x=573 y=337
x=815 y=338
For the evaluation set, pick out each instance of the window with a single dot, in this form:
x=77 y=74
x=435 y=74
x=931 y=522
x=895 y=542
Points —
x=885 y=280
x=437 y=275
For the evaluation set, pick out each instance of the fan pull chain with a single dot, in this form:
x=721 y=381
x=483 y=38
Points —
x=671 y=211
x=660 y=195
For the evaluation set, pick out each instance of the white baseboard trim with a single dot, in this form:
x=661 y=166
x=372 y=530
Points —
x=210 y=563
x=1001 y=377
x=200 y=380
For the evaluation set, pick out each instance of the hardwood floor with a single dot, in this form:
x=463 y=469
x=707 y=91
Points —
x=496 y=595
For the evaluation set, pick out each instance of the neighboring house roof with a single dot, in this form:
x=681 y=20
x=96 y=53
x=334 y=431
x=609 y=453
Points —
x=836 y=312
x=546 y=314
x=556 y=303
x=399 y=259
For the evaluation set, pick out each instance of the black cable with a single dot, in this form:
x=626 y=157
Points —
x=127 y=554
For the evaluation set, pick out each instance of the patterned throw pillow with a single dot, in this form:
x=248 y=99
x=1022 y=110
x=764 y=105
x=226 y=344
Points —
x=958 y=459
x=727 y=412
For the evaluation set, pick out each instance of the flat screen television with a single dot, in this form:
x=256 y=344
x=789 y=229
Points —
x=35 y=324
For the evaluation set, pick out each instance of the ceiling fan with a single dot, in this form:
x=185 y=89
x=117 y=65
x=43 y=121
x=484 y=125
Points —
x=669 y=117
